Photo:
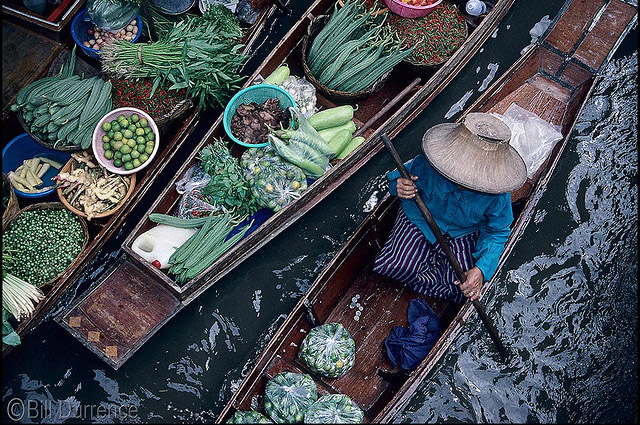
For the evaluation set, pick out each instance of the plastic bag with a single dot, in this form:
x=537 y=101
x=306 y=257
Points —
x=111 y=15
x=288 y=396
x=328 y=350
x=193 y=202
x=302 y=91
x=531 y=136
x=245 y=13
x=334 y=409
x=303 y=146
x=250 y=417
x=229 y=4
x=274 y=181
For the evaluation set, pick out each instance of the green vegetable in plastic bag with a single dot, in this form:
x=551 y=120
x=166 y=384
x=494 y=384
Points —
x=303 y=146
x=112 y=15
x=328 y=350
x=250 y=417
x=288 y=396
x=334 y=409
x=274 y=181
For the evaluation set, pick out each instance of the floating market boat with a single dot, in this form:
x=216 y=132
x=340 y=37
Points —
x=118 y=314
x=552 y=80
x=101 y=230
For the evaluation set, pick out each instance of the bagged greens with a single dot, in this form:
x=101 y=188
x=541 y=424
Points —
x=274 y=181
x=333 y=409
x=250 y=417
x=288 y=395
x=328 y=350
x=112 y=15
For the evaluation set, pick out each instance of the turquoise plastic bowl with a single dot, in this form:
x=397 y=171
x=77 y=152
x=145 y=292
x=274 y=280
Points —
x=259 y=93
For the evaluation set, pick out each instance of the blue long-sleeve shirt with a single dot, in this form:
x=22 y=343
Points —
x=459 y=212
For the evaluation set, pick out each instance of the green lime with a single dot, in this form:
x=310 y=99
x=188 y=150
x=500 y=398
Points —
x=106 y=146
x=124 y=123
x=148 y=150
x=141 y=140
x=136 y=162
x=117 y=162
x=131 y=143
x=147 y=130
x=143 y=157
x=151 y=136
x=138 y=124
x=118 y=155
x=105 y=139
x=115 y=127
x=139 y=131
x=110 y=133
x=140 y=148
x=132 y=128
x=125 y=149
x=134 y=117
x=117 y=144
x=126 y=158
x=128 y=165
x=121 y=117
x=135 y=154
x=117 y=135
x=143 y=122
x=106 y=126
x=108 y=154
x=127 y=134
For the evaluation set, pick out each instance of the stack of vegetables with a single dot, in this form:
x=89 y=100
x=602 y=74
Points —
x=352 y=52
x=336 y=127
x=199 y=53
x=64 y=109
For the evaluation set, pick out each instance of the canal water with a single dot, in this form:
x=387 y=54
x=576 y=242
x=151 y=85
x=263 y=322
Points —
x=566 y=303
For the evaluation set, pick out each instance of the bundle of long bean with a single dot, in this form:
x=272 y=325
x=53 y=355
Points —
x=204 y=247
x=198 y=54
x=352 y=51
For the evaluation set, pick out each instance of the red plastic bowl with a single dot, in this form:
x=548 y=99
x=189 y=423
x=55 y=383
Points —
x=409 y=11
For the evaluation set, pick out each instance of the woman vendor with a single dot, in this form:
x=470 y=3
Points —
x=465 y=178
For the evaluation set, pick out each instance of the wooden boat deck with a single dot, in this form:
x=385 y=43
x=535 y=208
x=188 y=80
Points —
x=556 y=96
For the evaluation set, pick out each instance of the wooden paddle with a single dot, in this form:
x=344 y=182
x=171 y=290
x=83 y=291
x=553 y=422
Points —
x=488 y=323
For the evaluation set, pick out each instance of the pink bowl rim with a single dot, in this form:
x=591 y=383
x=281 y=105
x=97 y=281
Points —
x=410 y=6
x=98 y=132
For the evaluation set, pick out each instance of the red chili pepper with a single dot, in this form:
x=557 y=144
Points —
x=156 y=263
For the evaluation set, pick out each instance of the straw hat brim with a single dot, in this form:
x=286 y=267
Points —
x=469 y=164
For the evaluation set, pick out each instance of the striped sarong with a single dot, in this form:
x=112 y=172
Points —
x=409 y=257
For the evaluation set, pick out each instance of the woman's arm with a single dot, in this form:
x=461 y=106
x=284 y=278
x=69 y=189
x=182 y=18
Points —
x=493 y=235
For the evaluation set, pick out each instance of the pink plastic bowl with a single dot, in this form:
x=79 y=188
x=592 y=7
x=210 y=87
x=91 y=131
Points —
x=408 y=11
x=98 y=132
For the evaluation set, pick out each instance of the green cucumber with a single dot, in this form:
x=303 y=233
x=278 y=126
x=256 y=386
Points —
x=278 y=76
x=327 y=134
x=340 y=141
x=331 y=117
x=355 y=142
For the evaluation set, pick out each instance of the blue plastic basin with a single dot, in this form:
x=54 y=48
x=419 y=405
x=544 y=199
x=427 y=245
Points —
x=79 y=29
x=24 y=147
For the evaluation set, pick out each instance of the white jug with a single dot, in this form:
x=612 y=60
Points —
x=160 y=242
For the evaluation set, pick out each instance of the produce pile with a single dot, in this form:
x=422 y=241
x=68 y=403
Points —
x=90 y=188
x=44 y=242
x=138 y=95
x=434 y=37
x=251 y=122
x=352 y=52
x=112 y=15
x=64 y=109
x=328 y=350
x=28 y=176
x=274 y=181
x=302 y=91
x=100 y=37
x=288 y=396
x=128 y=141
x=334 y=409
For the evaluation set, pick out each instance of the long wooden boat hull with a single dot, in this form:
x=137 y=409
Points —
x=93 y=314
x=103 y=230
x=553 y=80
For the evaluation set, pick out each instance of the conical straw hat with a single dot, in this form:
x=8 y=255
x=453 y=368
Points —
x=476 y=154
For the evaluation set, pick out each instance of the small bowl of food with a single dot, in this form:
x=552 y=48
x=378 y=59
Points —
x=88 y=190
x=412 y=8
x=90 y=38
x=125 y=140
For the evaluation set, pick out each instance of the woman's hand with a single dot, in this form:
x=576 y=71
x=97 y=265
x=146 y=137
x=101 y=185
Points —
x=472 y=285
x=406 y=188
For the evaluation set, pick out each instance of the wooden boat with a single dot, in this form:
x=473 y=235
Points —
x=102 y=229
x=51 y=23
x=553 y=80
x=115 y=333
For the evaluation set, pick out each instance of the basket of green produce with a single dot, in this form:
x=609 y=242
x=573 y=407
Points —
x=9 y=201
x=288 y=396
x=250 y=417
x=334 y=409
x=328 y=350
x=46 y=239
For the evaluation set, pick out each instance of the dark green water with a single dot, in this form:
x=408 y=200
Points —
x=567 y=304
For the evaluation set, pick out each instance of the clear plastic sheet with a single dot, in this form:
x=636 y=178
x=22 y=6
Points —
x=328 y=350
x=531 y=136
x=288 y=396
x=334 y=409
x=111 y=15
x=193 y=203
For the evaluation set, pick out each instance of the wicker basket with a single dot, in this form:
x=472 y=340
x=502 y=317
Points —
x=12 y=206
x=57 y=206
x=107 y=213
x=314 y=28
x=177 y=113
x=46 y=144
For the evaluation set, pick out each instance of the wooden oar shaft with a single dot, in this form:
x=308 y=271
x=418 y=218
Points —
x=488 y=323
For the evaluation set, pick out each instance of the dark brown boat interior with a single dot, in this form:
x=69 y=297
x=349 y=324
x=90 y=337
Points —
x=553 y=81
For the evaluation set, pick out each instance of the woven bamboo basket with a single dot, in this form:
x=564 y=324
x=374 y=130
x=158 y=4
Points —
x=178 y=112
x=12 y=206
x=57 y=206
x=314 y=28
x=107 y=213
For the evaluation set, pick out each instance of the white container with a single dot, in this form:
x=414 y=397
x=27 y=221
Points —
x=475 y=7
x=160 y=242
